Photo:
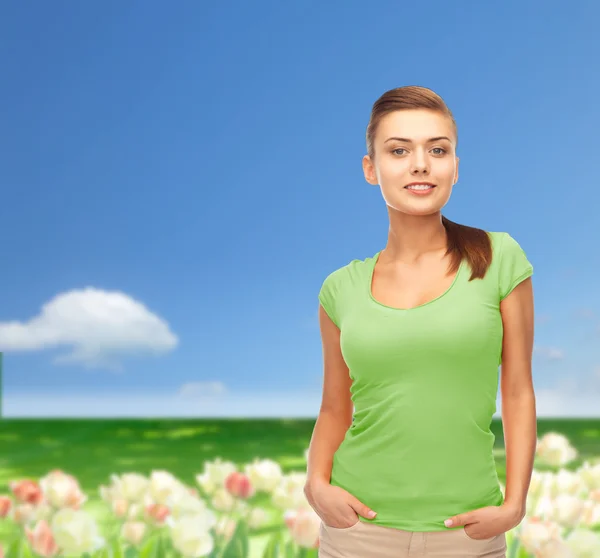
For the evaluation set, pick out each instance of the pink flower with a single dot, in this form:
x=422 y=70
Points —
x=120 y=507
x=5 y=505
x=289 y=518
x=239 y=485
x=42 y=540
x=157 y=512
x=27 y=491
x=305 y=528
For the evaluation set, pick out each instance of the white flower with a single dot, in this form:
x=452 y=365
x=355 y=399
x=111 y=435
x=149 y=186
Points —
x=107 y=493
x=543 y=507
x=133 y=531
x=541 y=481
x=289 y=493
x=555 y=450
x=264 y=474
x=584 y=543
x=62 y=490
x=555 y=548
x=590 y=474
x=243 y=508
x=222 y=500
x=191 y=536
x=136 y=511
x=535 y=532
x=225 y=527
x=568 y=482
x=164 y=487
x=540 y=487
x=214 y=475
x=567 y=510
x=75 y=532
x=42 y=511
x=131 y=486
x=590 y=515
x=187 y=504
x=257 y=517
x=119 y=507
x=24 y=514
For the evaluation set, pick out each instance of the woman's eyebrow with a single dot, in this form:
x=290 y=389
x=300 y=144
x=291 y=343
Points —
x=410 y=141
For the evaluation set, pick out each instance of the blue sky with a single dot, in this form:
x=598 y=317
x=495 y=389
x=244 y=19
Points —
x=179 y=178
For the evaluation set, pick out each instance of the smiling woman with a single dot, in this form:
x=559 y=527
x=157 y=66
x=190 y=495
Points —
x=412 y=338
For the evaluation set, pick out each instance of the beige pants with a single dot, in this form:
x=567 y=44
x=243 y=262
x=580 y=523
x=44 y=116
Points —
x=369 y=540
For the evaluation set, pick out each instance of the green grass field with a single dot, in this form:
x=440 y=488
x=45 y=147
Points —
x=92 y=449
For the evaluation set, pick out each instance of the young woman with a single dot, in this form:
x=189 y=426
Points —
x=413 y=337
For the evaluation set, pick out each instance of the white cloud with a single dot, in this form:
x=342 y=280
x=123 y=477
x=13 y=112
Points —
x=551 y=353
x=585 y=313
x=554 y=402
x=543 y=319
x=195 y=400
x=575 y=394
x=100 y=327
x=151 y=405
x=202 y=389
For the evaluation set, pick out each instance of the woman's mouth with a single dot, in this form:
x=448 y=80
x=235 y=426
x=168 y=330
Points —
x=420 y=189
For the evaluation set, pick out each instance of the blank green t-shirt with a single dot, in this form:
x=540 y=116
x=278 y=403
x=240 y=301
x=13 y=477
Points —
x=424 y=385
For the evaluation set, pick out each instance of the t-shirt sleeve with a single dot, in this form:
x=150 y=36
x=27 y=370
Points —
x=329 y=296
x=514 y=266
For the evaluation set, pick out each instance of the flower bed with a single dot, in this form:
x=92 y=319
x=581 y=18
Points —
x=260 y=512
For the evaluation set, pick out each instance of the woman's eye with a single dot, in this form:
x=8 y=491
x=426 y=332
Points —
x=402 y=149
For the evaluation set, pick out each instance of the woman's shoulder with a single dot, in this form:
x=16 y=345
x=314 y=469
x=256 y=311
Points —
x=337 y=287
x=350 y=268
x=503 y=241
x=512 y=264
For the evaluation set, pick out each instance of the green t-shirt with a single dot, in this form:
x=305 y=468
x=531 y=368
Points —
x=424 y=385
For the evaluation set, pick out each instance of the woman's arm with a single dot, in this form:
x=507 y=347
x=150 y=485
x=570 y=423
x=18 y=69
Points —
x=518 y=398
x=335 y=415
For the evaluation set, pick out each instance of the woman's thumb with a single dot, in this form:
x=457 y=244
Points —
x=361 y=509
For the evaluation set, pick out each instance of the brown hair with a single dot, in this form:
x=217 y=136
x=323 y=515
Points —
x=464 y=242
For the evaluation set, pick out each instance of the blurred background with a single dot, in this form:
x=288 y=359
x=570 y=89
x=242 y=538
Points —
x=178 y=180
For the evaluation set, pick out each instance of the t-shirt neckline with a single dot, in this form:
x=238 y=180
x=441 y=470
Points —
x=373 y=299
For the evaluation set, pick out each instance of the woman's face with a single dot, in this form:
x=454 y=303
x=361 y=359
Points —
x=398 y=163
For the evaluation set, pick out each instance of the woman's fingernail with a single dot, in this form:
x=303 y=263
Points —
x=372 y=513
x=448 y=522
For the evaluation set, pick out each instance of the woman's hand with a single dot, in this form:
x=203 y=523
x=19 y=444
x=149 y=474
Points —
x=335 y=506
x=484 y=523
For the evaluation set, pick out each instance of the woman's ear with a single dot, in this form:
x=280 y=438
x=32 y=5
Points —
x=369 y=170
x=456 y=173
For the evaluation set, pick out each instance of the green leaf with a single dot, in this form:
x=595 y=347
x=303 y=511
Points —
x=24 y=550
x=238 y=546
x=102 y=553
x=117 y=549
x=273 y=547
x=131 y=552
x=290 y=549
x=12 y=551
x=19 y=548
x=151 y=548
